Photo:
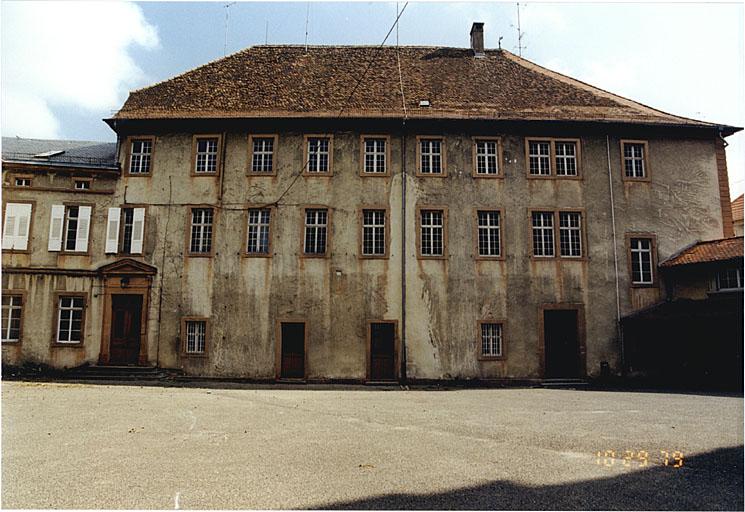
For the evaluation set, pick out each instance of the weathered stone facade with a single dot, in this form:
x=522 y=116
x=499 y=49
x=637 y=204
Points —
x=435 y=304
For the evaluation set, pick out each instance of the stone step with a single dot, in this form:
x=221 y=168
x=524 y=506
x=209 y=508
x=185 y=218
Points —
x=563 y=383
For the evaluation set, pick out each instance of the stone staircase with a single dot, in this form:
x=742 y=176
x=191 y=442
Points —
x=563 y=383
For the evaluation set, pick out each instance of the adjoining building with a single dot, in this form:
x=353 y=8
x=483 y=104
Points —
x=364 y=213
x=696 y=334
x=737 y=215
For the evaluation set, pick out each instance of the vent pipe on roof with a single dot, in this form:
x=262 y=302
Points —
x=477 y=39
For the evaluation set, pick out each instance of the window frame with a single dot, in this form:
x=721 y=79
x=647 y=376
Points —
x=187 y=249
x=120 y=241
x=556 y=219
x=249 y=163
x=218 y=161
x=329 y=215
x=128 y=161
x=361 y=232
x=387 y=172
x=479 y=354
x=531 y=248
x=475 y=218
x=22 y=295
x=552 y=174
x=55 y=319
x=272 y=214
x=629 y=257
x=66 y=252
x=425 y=207
x=32 y=202
x=645 y=160
x=305 y=163
x=474 y=157
x=443 y=157
x=75 y=182
x=726 y=268
x=29 y=177
x=207 y=337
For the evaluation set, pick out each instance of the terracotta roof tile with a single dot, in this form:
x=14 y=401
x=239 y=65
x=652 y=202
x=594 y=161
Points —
x=737 y=208
x=288 y=81
x=705 y=252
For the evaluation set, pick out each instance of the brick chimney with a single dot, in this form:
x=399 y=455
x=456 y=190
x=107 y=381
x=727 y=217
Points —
x=477 y=39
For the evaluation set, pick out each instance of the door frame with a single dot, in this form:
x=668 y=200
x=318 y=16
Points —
x=278 y=347
x=125 y=277
x=110 y=298
x=581 y=345
x=368 y=349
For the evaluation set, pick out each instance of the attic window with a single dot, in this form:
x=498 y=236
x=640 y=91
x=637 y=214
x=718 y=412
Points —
x=424 y=103
x=48 y=154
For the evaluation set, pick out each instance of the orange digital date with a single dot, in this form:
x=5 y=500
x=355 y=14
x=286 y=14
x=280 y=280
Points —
x=640 y=458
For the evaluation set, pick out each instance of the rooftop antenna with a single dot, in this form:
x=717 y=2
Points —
x=500 y=42
x=227 y=11
x=266 y=33
x=396 y=25
x=520 y=33
x=307 y=16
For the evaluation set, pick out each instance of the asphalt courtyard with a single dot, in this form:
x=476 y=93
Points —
x=115 y=446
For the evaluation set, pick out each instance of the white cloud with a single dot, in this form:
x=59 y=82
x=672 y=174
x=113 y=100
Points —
x=67 y=53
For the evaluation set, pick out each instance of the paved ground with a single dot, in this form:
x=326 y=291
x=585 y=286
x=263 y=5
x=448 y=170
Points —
x=109 y=446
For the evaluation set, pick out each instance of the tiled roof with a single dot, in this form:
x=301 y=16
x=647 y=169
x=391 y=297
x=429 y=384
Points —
x=705 y=252
x=72 y=152
x=290 y=81
x=737 y=209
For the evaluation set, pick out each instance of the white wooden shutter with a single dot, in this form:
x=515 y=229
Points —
x=112 y=231
x=138 y=230
x=84 y=224
x=56 y=224
x=23 y=221
x=9 y=227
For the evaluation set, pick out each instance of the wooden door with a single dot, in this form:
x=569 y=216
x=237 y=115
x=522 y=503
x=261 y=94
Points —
x=561 y=341
x=126 y=322
x=293 y=350
x=382 y=351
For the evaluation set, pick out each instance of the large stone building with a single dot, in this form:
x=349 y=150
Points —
x=363 y=213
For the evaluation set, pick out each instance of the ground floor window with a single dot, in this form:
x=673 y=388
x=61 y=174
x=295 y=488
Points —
x=11 y=319
x=491 y=339
x=195 y=332
x=70 y=311
x=729 y=279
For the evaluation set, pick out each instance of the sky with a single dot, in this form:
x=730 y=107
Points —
x=68 y=65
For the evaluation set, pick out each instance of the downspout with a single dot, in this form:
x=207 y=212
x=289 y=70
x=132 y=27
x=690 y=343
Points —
x=619 y=333
x=403 y=254
x=222 y=166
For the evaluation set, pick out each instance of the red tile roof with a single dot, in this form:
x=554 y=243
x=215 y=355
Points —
x=737 y=208
x=290 y=81
x=704 y=252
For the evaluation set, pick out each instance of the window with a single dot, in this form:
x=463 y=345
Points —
x=201 y=231
x=262 y=154
x=69 y=228
x=634 y=157
x=258 y=231
x=729 y=279
x=125 y=231
x=488 y=233
x=375 y=151
x=543 y=234
x=570 y=234
x=547 y=157
x=11 y=319
x=195 y=336
x=316 y=225
x=431 y=232
x=16 y=226
x=205 y=161
x=319 y=161
x=487 y=157
x=82 y=184
x=642 y=261
x=566 y=158
x=430 y=156
x=22 y=182
x=140 y=156
x=539 y=157
x=70 y=319
x=373 y=233
x=491 y=340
